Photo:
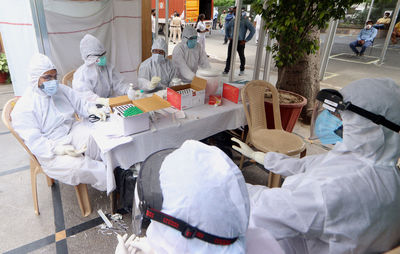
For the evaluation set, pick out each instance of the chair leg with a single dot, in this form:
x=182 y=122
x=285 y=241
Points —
x=274 y=180
x=83 y=199
x=113 y=201
x=50 y=181
x=303 y=154
x=34 y=187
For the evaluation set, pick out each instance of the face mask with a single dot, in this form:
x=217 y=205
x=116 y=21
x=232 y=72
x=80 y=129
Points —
x=191 y=43
x=368 y=26
x=327 y=128
x=50 y=87
x=102 y=61
x=157 y=58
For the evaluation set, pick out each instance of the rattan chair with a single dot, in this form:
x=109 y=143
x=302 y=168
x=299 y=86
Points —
x=67 y=79
x=263 y=139
x=35 y=167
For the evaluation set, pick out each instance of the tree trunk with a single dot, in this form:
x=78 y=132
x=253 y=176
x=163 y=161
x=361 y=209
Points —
x=302 y=78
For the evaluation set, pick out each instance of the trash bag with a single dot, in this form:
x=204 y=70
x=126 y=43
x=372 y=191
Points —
x=125 y=181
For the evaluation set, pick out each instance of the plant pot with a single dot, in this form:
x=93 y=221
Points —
x=290 y=111
x=3 y=77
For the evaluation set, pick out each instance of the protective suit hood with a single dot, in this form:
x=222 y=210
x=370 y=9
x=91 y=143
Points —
x=90 y=45
x=211 y=195
x=159 y=43
x=39 y=64
x=188 y=32
x=362 y=136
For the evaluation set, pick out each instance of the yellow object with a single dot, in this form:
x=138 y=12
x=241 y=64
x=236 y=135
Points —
x=383 y=21
x=263 y=139
x=81 y=189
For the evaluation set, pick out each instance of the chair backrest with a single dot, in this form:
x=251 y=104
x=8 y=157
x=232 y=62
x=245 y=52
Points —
x=169 y=57
x=254 y=94
x=6 y=118
x=67 y=79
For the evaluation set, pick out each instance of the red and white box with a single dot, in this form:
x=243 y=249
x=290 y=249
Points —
x=232 y=92
x=215 y=99
x=187 y=96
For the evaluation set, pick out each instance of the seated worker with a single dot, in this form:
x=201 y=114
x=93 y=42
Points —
x=156 y=71
x=396 y=33
x=189 y=55
x=95 y=79
x=384 y=22
x=348 y=199
x=198 y=188
x=44 y=117
x=364 y=39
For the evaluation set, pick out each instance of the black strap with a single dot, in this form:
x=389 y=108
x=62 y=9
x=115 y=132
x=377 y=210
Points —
x=187 y=230
x=378 y=119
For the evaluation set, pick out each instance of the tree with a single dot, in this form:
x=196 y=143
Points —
x=295 y=25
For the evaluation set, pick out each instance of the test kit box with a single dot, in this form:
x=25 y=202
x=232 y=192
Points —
x=187 y=96
x=128 y=125
x=232 y=92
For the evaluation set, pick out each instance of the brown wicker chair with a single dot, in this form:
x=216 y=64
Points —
x=67 y=79
x=81 y=189
x=263 y=139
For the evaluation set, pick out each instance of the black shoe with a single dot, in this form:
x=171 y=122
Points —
x=357 y=54
x=361 y=54
x=224 y=43
x=225 y=72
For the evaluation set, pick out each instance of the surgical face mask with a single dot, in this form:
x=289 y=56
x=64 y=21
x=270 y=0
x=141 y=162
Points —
x=368 y=26
x=328 y=128
x=101 y=61
x=158 y=58
x=191 y=43
x=50 y=87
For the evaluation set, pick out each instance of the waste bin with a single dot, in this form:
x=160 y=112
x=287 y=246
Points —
x=213 y=79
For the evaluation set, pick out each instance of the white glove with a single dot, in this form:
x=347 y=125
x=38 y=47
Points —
x=124 y=246
x=154 y=82
x=97 y=112
x=248 y=152
x=103 y=101
x=68 y=150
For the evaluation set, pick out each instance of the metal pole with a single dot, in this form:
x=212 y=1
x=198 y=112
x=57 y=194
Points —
x=389 y=34
x=156 y=21
x=166 y=24
x=369 y=11
x=260 y=48
x=235 y=38
x=328 y=48
x=268 y=60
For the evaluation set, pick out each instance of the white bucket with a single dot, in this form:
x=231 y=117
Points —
x=213 y=78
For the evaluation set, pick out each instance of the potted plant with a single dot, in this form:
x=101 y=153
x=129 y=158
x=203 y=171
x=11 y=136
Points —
x=4 y=71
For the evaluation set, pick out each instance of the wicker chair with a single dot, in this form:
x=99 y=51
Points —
x=67 y=79
x=263 y=139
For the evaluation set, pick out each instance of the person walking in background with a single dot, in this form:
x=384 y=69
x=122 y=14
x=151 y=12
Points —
x=245 y=26
x=215 y=19
x=228 y=18
x=364 y=39
x=176 y=28
x=222 y=20
x=201 y=31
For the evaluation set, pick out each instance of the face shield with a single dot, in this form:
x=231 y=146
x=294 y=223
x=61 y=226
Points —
x=326 y=123
x=148 y=201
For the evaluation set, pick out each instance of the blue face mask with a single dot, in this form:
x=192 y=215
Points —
x=191 y=43
x=50 y=87
x=102 y=61
x=157 y=58
x=327 y=128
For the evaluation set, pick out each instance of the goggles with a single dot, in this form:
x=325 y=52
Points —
x=49 y=77
x=192 y=38
x=147 y=203
x=332 y=101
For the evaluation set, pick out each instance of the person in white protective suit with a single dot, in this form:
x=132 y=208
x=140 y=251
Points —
x=44 y=117
x=197 y=202
x=189 y=55
x=157 y=71
x=346 y=200
x=97 y=80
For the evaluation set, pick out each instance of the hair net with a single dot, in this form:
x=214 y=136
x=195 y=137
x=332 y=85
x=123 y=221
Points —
x=90 y=45
x=39 y=64
x=188 y=32
x=379 y=96
x=159 y=44
x=203 y=187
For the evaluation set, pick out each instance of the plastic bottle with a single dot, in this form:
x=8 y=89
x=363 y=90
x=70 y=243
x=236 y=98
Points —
x=131 y=92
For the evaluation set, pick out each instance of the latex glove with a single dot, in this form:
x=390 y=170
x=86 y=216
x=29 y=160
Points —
x=103 y=101
x=154 y=82
x=248 y=152
x=124 y=245
x=76 y=153
x=97 y=112
x=63 y=149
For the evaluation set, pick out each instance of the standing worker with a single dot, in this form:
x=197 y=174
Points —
x=176 y=28
x=245 y=26
x=346 y=200
x=201 y=31
x=95 y=79
x=189 y=55
x=215 y=19
x=228 y=18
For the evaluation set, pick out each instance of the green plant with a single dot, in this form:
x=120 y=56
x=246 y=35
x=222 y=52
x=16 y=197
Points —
x=3 y=63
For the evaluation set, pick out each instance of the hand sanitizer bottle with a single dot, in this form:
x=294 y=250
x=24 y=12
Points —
x=131 y=92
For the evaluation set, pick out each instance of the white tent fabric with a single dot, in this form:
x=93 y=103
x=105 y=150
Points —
x=19 y=39
x=117 y=25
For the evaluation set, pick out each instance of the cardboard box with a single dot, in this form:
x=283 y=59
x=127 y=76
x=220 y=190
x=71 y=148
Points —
x=195 y=97
x=137 y=123
x=232 y=92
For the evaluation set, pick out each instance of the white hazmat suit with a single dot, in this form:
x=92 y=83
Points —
x=156 y=67
x=188 y=60
x=94 y=81
x=344 y=201
x=47 y=122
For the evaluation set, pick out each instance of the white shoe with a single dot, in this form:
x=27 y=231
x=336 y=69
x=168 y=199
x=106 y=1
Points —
x=241 y=73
